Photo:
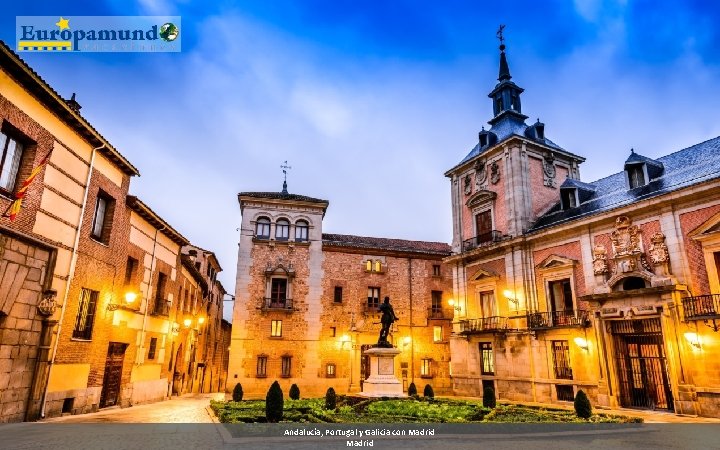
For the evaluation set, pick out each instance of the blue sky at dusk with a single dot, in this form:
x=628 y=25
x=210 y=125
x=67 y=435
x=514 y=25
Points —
x=372 y=101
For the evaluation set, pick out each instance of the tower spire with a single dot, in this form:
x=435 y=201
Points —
x=506 y=95
x=504 y=73
x=284 y=166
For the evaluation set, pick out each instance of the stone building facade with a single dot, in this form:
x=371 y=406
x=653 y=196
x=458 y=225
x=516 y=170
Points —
x=87 y=272
x=306 y=302
x=610 y=287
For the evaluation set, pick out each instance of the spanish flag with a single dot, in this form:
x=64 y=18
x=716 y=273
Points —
x=15 y=207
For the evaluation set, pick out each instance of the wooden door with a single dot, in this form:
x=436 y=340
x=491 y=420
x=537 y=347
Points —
x=483 y=225
x=113 y=374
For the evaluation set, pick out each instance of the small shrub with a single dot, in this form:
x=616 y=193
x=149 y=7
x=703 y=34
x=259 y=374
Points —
x=428 y=392
x=583 y=409
x=330 y=399
x=489 y=397
x=294 y=392
x=274 y=403
x=412 y=390
x=237 y=393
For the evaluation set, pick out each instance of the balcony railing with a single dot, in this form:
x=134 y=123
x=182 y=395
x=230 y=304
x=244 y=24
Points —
x=481 y=240
x=702 y=307
x=438 y=313
x=277 y=304
x=160 y=308
x=557 y=319
x=483 y=325
x=371 y=308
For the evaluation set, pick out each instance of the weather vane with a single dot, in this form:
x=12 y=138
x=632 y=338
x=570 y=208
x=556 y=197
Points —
x=499 y=35
x=284 y=166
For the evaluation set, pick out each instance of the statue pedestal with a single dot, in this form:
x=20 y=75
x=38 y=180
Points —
x=382 y=381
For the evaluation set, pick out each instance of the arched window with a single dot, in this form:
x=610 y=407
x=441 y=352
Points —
x=282 y=230
x=378 y=266
x=301 y=231
x=262 y=228
x=368 y=265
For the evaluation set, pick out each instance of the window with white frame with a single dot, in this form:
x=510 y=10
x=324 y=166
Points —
x=12 y=151
x=262 y=228
x=282 y=230
x=301 y=231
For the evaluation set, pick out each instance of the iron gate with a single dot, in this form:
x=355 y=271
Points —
x=641 y=364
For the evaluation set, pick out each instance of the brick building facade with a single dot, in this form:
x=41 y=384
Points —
x=306 y=302
x=610 y=287
x=88 y=273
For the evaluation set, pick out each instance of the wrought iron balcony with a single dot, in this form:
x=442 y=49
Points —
x=484 y=325
x=702 y=307
x=277 y=304
x=557 y=319
x=160 y=307
x=438 y=313
x=481 y=240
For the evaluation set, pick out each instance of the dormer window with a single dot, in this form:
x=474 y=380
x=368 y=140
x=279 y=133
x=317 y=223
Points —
x=636 y=176
x=483 y=139
x=569 y=198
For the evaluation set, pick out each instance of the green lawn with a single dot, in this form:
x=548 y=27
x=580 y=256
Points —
x=361 y=410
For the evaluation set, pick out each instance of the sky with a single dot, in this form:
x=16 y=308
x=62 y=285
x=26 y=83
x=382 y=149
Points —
x=370 y=102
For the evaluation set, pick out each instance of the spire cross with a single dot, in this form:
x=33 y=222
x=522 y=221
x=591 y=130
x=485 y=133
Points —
x=499 y=35
x=284 y=166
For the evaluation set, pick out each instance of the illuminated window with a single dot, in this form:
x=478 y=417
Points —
x=487 y=357
x=368 y=265
x=561 y=360
x=86 y=314
x=426 y=368
x=437 y=334
x=276 y=328
x=378 y=266
x=330 y=370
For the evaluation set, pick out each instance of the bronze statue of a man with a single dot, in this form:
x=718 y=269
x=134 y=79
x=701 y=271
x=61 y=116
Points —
x=387 y=319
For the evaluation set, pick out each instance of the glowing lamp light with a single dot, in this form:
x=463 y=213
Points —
x=130 y=297
x=187 y=322
x=581 y=342
x=455 y=306
x=407 y=340
x=693 y=339
x=201 y=320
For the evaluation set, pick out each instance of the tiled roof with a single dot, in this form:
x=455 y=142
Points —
x=282 y=196
x=687 y=167
x=398 y=245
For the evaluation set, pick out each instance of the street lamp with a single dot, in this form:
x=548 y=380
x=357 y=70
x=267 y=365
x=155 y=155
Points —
x=457 y=307
x=129 y=298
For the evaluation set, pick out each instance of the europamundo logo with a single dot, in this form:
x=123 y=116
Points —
x=98 y=34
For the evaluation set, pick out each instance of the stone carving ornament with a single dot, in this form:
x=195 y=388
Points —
x=467 y=186
x=494 y=172
x=480 y=174
x=625 y=238
x=549 y=170
x=600 y=266
x=658 y=251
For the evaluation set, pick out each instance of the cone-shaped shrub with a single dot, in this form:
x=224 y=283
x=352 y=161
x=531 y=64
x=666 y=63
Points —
x=330 y=399
x=428 y=392
x=238 y=393
x=583 y=409
x=489 y=397
x=412 y=390
x=294 y=392
x=274 y=403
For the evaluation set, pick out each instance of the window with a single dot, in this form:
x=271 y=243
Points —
x=561 y=360
x=436 y=270
x=151 y=350
x=560 y=295
x=338 y=294
x=436 y=301
x=276 y=328
x=333 y=331
x=301 y=231
x=426 y=368
x=483 y=227
x=368 y=265
x=282 y=230
x=373 y=297
x=568 y=198
x=160 y=304
x=377 y=267
x=102 y=221
x=261 y=370
x=437 y=334
x=564 y=392
x=12 y=151
x=330 y=370
x=487 y=303
x=286 y=366
x=262 y=228
x=86 y=314
x=130 y=268
x=278 y=292
x=636 y=176
x=486 y=357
